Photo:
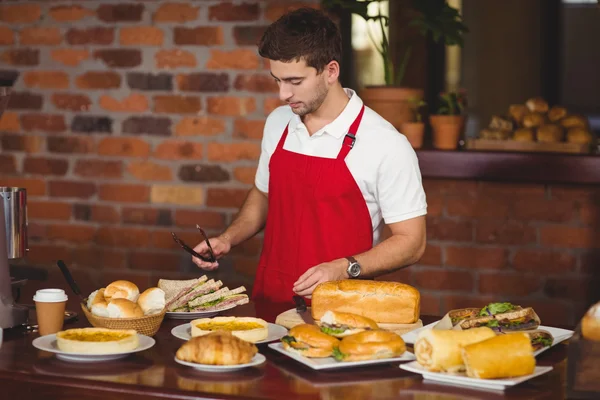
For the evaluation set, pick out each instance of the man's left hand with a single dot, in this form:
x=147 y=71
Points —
x=329 y=271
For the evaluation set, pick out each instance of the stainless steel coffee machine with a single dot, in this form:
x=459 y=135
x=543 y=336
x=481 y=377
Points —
x=13 y=241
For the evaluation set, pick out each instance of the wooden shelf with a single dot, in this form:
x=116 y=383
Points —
x=510 y=167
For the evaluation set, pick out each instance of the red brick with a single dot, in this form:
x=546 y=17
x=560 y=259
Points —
x=164 y=240
x=46 y=79
x=71 y=144
x=231 y=198
x=178 y=150
x=71 y=233
x=477 y=257
x=250 y=247
x=123 y=147
x=119 y=58
x=271 y=104
x=431 y=256
x=146 y=216
x=512 y=190
x=27 y=144
x=9 y=122
x=42 y=254
x=234 y=59
x=276 y=9
x=231 y=106
x=141 y=279
x=70 y=57
x=45 y=36
x=176 y=104
x=257 y=83
x=20 y=13
x=245 y=175
x=81 y=190
x=21 y=57
x=248 y=129
x=45 y=166
x=133 y=103
x=141 y=35
x=227 y=152
x=589 y=214
x=404 y=275
x=95 y=35
x=552 y=312
x=443 y=279
x=154 y=261
x=590 y=261
x=585 y=193
x=7 y=36
x=199 y=126
x=226 y=11
x=43 y=122
x=98 y=168
x=584 y=289
x=248 y=35
x=566 y=236
x=96 y=213
x=245 y=265
x=509 y=284
x=535 y=209
x=149 y=171
x=430 y=304
x=446 y=186
x=175 y=12
x=201 y=36
x=69 y=13
x=120 y=12
x=8 y=164
x=505 y=232
x=435 y=206
x=125 y=193
x=480 y=207
x=177 y=194
x=206 y=219
x=203 y=82
x=99 y=257
x=115 y=236
x=98 y=80
x=71 y=102
x=544 y=262
x=176 y=58
x=445 y=229
x=456 y=301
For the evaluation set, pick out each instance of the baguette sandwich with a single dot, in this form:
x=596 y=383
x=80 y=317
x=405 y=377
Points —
x=503 y=317
x=341 y=324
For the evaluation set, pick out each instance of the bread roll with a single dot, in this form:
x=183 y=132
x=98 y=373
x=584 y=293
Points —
x=152 y=301
x=590 y=323
x=217 y=348
x=533 y=120
x=537 y=104
x=97 y=340
x=501 y=123
x=383 y=302
x=370 y=345
x=439 y=350
x=524 y=135
x=550 y=133
x=98 y=304
x=517 y=112
x=95 y=297
x=574 y=121
x=121 y=290
x=308 y=341
x=123 y=308
x=579 y=135
x=503 y=356
x=494 y=134
x=557 y=113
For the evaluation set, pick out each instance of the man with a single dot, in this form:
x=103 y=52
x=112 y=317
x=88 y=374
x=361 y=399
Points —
x=331 y=174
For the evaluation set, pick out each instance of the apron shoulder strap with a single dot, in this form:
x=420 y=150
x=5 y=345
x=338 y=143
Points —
x=350 y=137
x=283 y=137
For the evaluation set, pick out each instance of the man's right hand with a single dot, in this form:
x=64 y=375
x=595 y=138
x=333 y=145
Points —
x=220 y=246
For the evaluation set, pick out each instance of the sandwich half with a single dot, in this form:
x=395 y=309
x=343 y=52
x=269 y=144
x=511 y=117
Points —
x=219 y=299
x=340 y=324
x=503 y=317
x=182 y=303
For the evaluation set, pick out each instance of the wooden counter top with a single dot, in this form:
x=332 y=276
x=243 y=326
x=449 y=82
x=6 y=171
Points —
x=26 y=373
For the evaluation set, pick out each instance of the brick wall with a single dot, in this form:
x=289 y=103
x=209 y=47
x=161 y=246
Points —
x=130 y=120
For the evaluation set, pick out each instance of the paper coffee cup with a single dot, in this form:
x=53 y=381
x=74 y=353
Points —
x=50 y=310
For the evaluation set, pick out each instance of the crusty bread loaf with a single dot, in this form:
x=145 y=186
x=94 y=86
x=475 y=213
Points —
x=383 y=302
x=121 y=290
x=152 y=301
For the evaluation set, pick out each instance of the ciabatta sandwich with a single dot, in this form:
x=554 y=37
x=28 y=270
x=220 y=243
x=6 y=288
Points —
x=503 y=317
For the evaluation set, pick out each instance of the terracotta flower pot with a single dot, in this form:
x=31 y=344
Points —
x=391 y=102
x=414 y=133
x=447 y=130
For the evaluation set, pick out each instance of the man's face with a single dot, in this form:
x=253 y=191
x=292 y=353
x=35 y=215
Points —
x=300 y=86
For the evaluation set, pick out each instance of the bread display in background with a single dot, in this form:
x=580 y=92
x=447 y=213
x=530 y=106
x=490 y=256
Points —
x=383 y=302
x=217 y=348
x=535 y=121
x=118 y=302
x=590 y=323
x=97 y=340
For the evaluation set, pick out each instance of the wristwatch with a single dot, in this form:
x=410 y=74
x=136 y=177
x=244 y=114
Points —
x=353 y=267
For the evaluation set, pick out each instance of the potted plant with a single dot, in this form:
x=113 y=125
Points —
x=435 y=19
x=414 y=130
x=448 y=123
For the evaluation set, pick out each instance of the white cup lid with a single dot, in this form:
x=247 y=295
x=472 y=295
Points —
x=50 y=296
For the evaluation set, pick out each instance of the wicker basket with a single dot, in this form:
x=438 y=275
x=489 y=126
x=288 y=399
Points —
x=147 y=325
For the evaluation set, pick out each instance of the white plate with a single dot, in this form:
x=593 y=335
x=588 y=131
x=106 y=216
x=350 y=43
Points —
x=559 y=335
x=463 y=380
x=198 y=314
x=331 y=363
x=48 y=343
x=276 y=332
x=256 y=360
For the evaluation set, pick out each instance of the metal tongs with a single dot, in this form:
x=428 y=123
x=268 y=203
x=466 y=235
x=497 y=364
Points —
x=191 y=251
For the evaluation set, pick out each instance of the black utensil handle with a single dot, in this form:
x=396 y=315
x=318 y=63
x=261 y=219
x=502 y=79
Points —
x=68 y=277
x=300 y=303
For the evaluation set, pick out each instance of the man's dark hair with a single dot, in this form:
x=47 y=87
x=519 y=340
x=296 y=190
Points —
x=305 y=33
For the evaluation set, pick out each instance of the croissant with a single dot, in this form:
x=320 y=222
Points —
x=217 y=348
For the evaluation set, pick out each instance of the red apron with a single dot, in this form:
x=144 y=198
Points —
x=317 y=214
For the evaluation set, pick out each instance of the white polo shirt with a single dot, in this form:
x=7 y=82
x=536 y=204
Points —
x=382 y=161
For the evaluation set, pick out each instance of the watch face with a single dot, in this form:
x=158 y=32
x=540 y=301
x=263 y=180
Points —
x=354 y=270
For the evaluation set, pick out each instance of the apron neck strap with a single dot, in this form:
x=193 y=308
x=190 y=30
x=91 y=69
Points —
x=350 y=137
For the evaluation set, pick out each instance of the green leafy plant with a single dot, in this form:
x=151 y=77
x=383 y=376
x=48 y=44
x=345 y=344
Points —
x=431 y=17
x=418 y=107
x=452 y=103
